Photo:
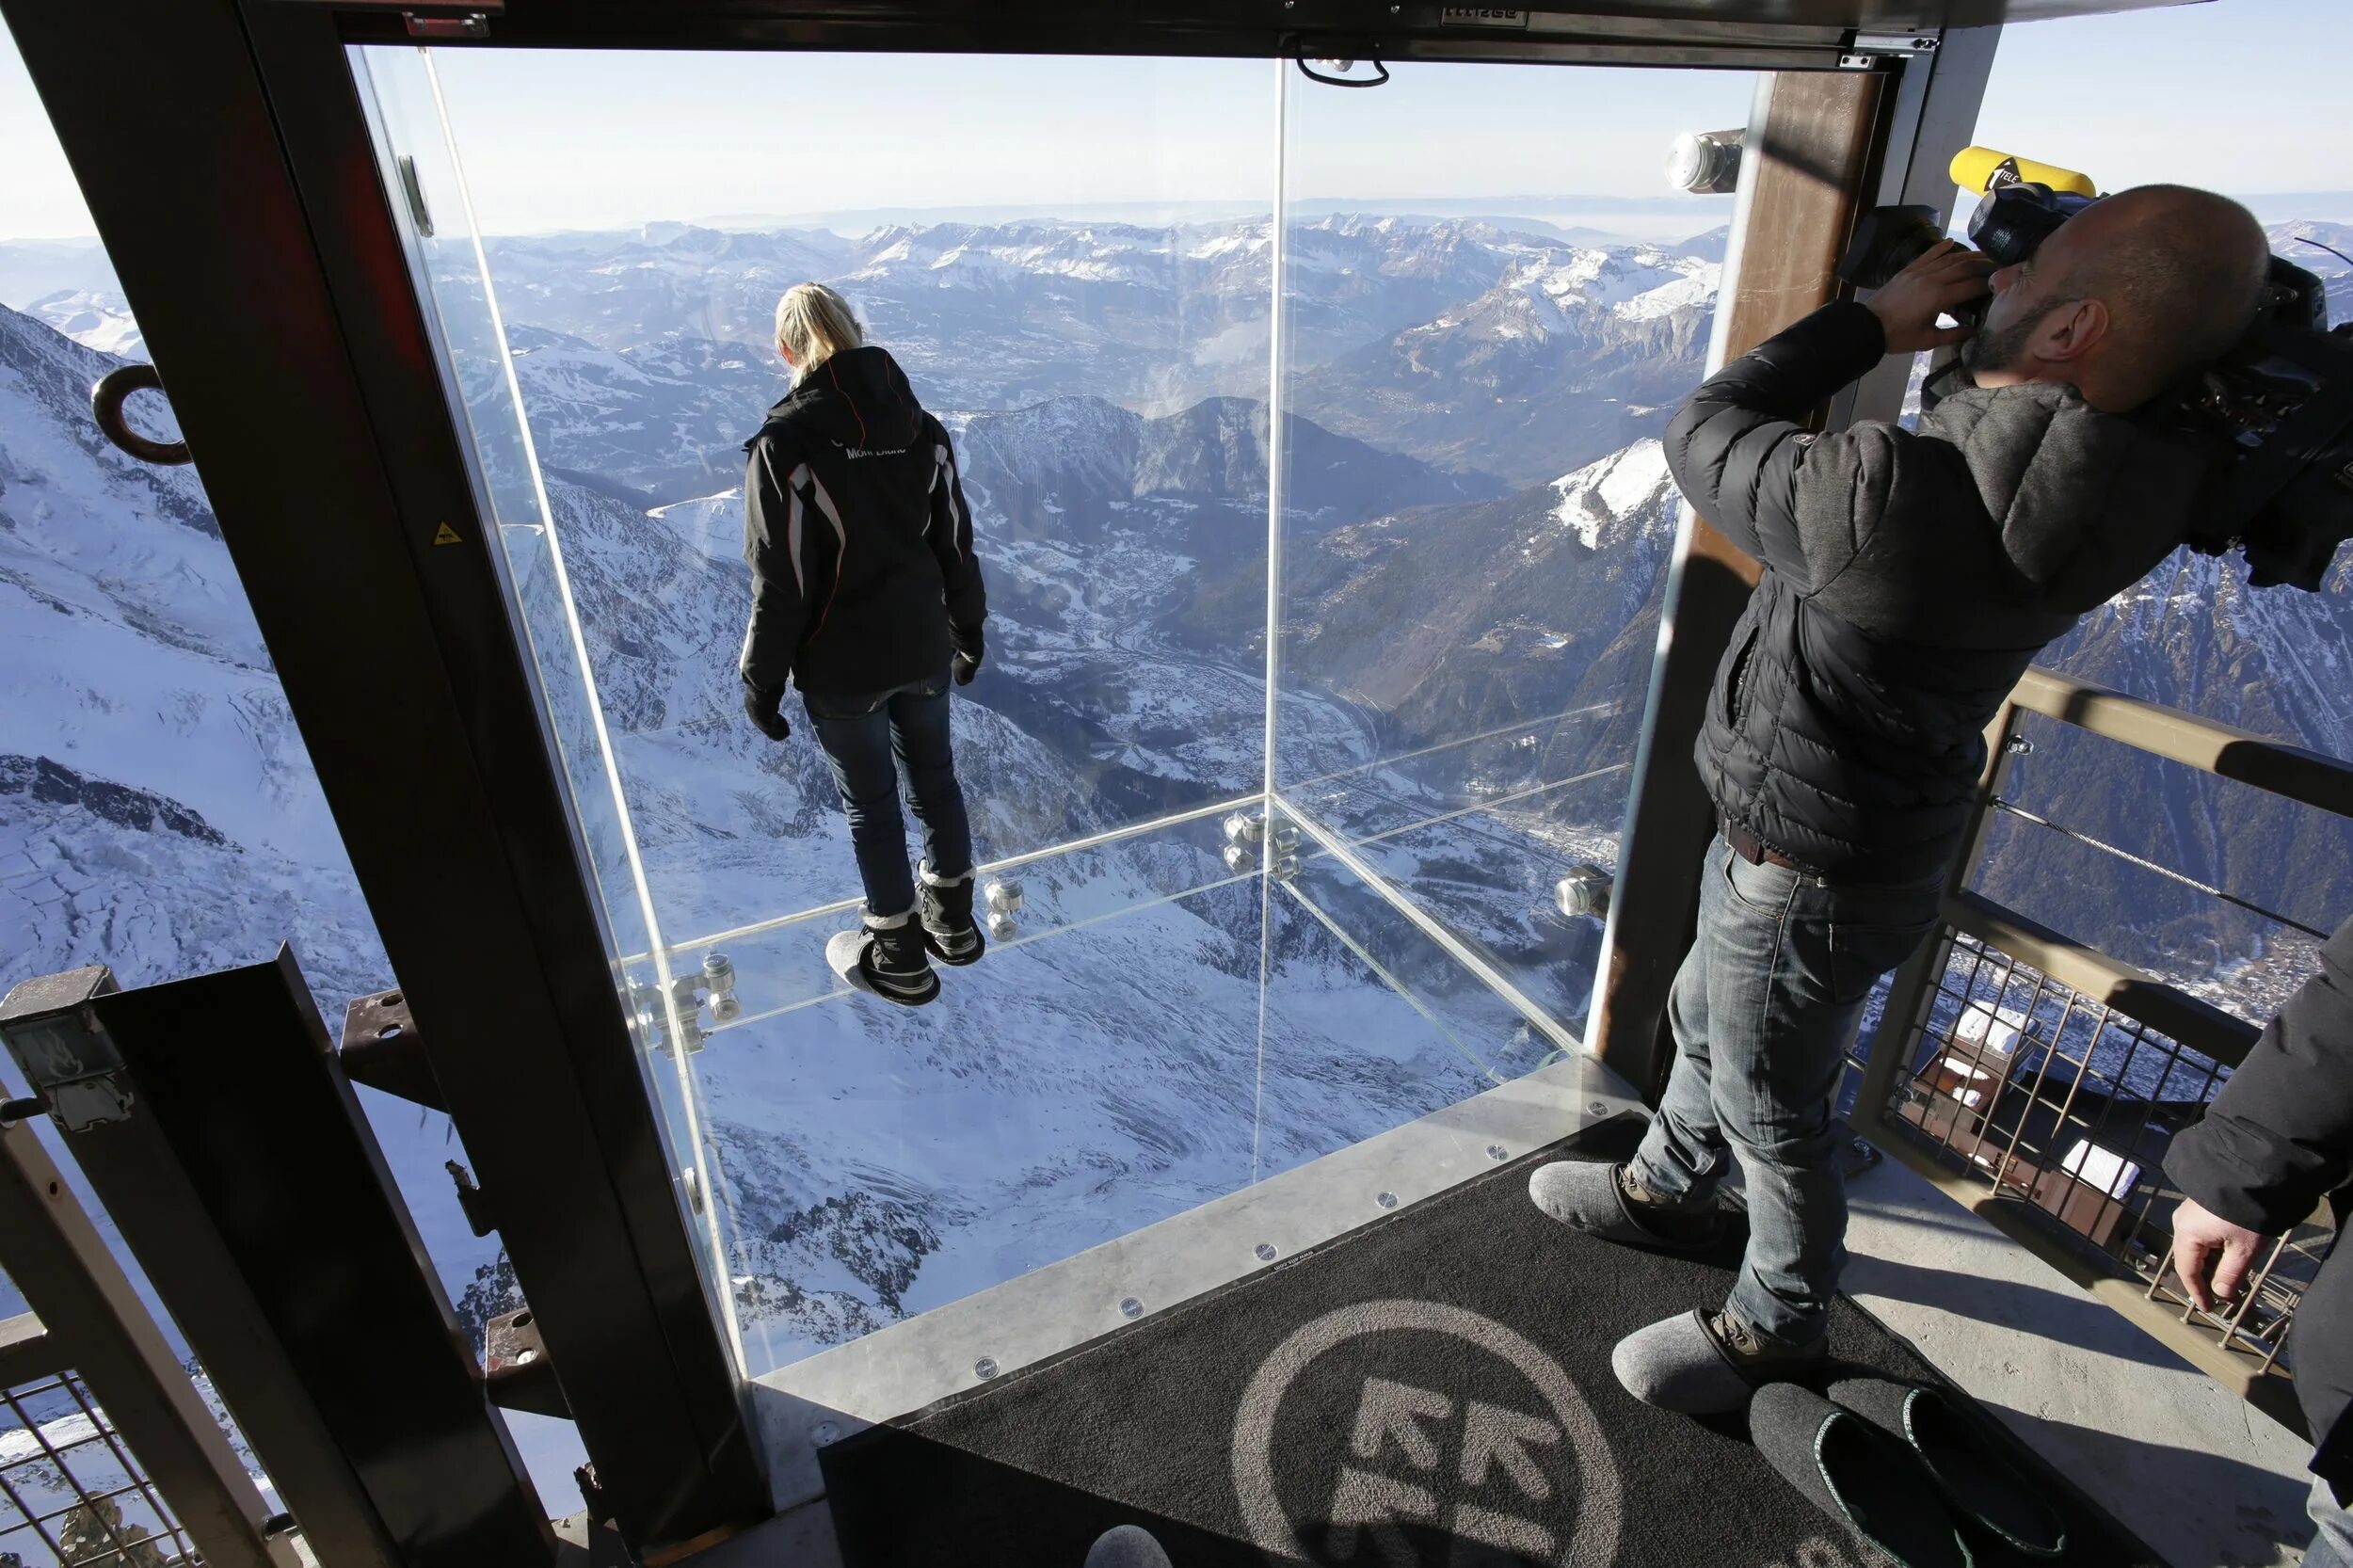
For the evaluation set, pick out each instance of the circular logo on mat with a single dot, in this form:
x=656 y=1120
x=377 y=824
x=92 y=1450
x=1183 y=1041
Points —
x=1412 y=1435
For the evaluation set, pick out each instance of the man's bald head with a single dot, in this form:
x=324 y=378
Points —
x=2175 y=273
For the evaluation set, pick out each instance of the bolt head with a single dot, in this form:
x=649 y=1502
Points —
x=1495 y=1151
x=822 y=1433
x=1265 y=1251
x=1131 y=1309
x=1386 y=1200
x=985 y=1369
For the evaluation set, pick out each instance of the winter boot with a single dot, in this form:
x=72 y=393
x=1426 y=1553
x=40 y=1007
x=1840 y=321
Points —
x=885 y=956
x=946 y=911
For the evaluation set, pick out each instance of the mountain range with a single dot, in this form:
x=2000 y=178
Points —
x=1470 y=558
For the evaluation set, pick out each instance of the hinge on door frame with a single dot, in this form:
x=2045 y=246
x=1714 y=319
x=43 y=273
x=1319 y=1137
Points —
x=1865 y=51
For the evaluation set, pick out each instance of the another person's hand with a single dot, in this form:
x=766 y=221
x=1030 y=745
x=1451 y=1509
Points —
x=765 y=711
x=966 y=661
x=2203 y=1239
x=1947 y=274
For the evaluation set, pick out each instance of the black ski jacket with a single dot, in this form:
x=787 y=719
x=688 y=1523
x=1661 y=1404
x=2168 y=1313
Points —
x=857 y=536
x=2278 y=1140
x=1910 y=579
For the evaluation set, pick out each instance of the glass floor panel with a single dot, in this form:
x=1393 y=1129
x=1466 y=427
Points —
x=1118 y=1059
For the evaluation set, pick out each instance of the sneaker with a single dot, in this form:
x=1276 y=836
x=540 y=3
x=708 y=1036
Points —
x=946 y=912
x=885 y=956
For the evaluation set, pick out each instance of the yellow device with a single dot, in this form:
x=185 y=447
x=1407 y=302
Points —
x=1982 y=168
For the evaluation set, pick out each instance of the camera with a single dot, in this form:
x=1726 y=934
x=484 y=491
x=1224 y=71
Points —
x=2280 y=402
x=2011 y=223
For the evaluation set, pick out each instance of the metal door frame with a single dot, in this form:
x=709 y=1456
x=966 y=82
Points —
x=224 y=156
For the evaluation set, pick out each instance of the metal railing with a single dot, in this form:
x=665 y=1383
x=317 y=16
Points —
x=108 y=1455
x=2039 y=1080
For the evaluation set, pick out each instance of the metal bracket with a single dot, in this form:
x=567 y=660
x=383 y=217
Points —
x=64 y=1051
x=1865 y=51
x=516 y=1369
x=381 y=1048
x=470 y=1198
x=431 y=29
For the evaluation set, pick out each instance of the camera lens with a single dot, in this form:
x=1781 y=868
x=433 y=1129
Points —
x=1886 y=241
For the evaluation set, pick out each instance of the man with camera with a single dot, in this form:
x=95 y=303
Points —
x=1909 y=578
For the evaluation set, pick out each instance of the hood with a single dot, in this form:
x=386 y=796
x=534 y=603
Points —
x=2086 y=501
x=859 y=399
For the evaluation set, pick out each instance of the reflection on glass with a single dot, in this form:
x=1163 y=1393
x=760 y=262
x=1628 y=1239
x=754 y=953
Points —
x=1477 y=516
x=624 y=571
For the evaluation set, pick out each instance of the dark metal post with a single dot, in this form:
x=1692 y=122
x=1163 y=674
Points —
x=1810 y=162
x=240 y=204
x=213 y=1120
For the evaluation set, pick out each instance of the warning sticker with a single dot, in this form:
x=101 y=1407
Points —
x=446 y=535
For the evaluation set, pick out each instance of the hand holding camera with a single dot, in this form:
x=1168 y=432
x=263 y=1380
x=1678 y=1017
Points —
x=1947 y=274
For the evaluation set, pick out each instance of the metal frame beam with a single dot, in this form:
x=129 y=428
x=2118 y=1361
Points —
x=1737 y=33
x=301 y=374
x=87 y=1316
x=222 y=1138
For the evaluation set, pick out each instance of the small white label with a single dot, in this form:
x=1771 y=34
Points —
x=1480 y=16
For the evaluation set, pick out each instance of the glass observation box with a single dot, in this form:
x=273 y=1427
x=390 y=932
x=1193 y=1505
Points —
x=1325 y=534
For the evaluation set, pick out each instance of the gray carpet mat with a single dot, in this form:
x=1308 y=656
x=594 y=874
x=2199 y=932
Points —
x=1431 y=1391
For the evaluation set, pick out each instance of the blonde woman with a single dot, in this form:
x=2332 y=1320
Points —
x=866 y=596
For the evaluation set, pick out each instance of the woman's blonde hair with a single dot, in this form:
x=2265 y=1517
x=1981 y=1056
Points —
x=813 y=324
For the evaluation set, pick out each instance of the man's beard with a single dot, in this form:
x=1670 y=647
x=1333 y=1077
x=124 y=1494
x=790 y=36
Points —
x=1996 y=350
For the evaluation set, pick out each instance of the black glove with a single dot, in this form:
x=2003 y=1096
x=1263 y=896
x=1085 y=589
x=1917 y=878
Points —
x=966 y=661
x=764 y=709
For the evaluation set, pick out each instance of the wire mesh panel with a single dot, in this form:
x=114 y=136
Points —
x=2068 y=1106
x=70 y=1490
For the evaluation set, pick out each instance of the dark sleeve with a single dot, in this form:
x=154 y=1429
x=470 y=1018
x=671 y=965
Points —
x=1801 y=504
x=950 y=533
x=2278 y=1138
x=772 y=544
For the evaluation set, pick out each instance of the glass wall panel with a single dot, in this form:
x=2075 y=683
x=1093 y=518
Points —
x=1476 y=512
x=1181 y=997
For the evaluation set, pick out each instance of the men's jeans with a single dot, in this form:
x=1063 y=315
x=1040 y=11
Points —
x=2332 y=1540
x=859 y=736
x=1761 y=1012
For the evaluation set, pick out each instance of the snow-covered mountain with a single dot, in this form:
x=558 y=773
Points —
x=1003 y=316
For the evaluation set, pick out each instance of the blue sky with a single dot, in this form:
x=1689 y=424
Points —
x=2243 y=95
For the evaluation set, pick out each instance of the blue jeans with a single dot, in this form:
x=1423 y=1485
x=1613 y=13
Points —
x=1761 y=1012
x=859 y=736
x=2332 y=1535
